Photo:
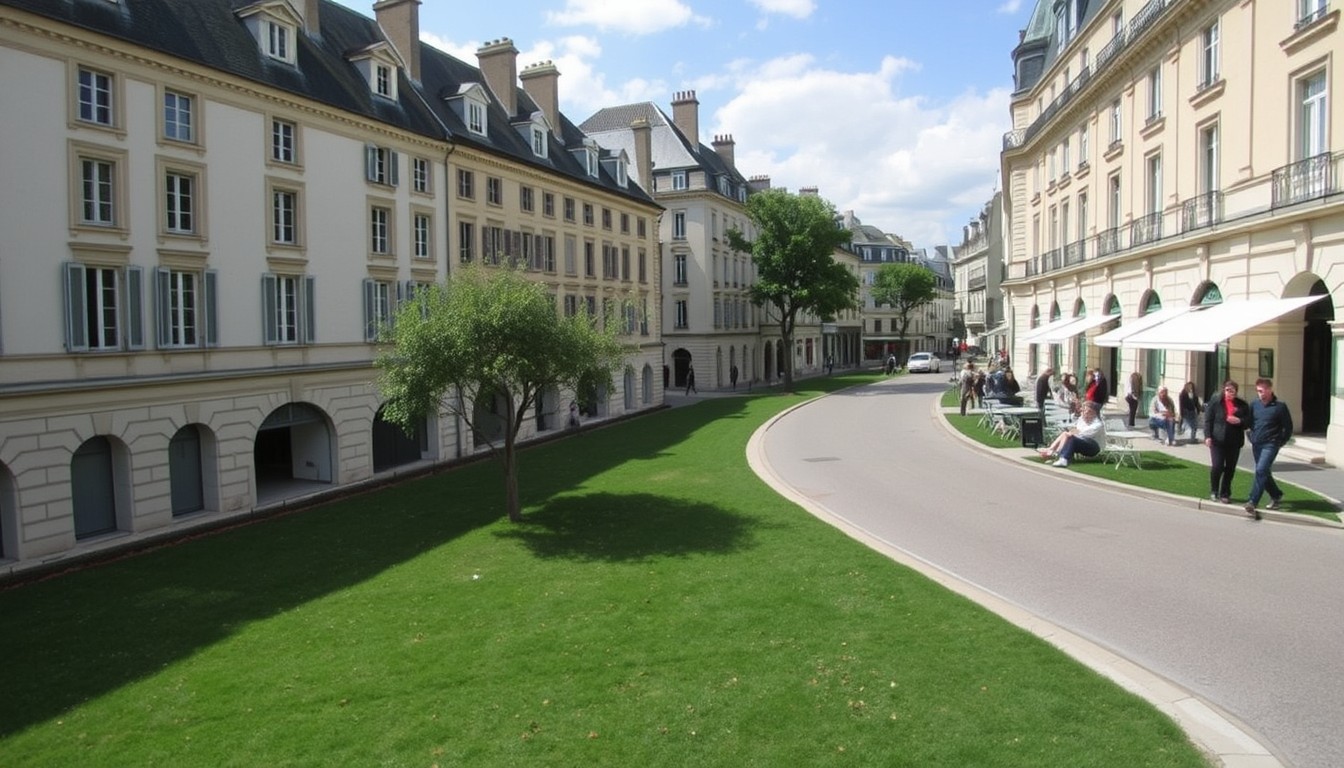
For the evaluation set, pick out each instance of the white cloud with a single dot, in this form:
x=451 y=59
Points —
x=641 y=18
x=1009 y=7
x=798 y=9
x=904 y=163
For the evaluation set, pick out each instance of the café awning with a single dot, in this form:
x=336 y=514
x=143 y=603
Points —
x=1115 y=337
x=1204 y=330
x=1069 y=330
x=1034 y=335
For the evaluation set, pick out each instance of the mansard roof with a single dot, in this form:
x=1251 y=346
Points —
x=670 y=149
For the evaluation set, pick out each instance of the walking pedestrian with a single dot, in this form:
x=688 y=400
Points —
x=1191 y=409
x=966 y=381
x=690 y=381
x=1133 y=394
x=1271 y=428
x=1043 y=390
x=732 y=374
x=1226 y=417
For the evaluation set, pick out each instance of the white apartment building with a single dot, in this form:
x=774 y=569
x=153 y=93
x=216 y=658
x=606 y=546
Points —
x=1172 y=196
x=978 y=266
x=189 y=306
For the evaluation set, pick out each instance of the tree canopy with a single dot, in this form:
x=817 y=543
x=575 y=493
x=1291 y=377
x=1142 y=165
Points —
x=905 y=288
x=793 y=250
x=489 y=333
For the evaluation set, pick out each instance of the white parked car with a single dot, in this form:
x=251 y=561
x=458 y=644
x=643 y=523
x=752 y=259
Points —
x=924 y=362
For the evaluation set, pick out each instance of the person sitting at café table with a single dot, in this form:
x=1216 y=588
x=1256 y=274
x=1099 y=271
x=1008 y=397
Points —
x=1084 y=438
x=1010 y=387
x=1162 y=415
x=1067 y=394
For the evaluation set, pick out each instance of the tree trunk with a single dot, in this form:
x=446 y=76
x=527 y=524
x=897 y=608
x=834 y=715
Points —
x=512 y=504
x=786 y=333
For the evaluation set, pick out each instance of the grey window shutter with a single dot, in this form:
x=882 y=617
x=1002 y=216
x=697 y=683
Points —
x=370 y=162
x=309 y=310
x=76 y=318
x=162 y=306
x=270 y=330
x=135 y=308
x=393 y=160
x=370 y=320
x=210 y=316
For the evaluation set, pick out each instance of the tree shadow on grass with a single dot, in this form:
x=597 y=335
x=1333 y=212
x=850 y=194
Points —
x=630 y=528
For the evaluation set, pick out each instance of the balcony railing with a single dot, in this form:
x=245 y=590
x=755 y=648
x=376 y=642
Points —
x=1202 y=211
x=975 y=283
x=1312 y=16
x=1108 y=242
x=1075 y=252
x=1145 y=229
x=1304 y=180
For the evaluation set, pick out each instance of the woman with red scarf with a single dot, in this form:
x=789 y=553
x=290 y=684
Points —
x=1226 y=418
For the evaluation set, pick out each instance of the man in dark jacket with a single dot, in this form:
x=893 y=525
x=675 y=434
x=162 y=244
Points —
x=1043 y=387
x=1271 y=428
x=1226 y=417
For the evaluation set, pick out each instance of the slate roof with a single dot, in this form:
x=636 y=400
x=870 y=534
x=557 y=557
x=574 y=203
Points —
x=210 y=33
x=669 y=148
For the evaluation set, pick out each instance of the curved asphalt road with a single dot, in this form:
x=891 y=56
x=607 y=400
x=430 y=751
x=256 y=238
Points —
x=1249 y=617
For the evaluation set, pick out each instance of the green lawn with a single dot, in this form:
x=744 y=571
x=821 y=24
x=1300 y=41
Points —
x=660 y=607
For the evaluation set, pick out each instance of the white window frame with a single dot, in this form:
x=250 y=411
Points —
x=476 y=117
x=284 y=141
x=540 y=145
x=1313 y=114
x=185 y=308
x=380 y=230
x=278 y=40
x=384 y=81
x=96 y=97
x=99 y=206
x=181 y=202
x=421 y=177
x=380 y=165
x=179 y=112
x=682 y=316
x=494 y=190
x=288 y=309
x=1155 y=93
x=679 y=181
x=1209 y=55
x=421 y=228
x=1116 y=122
x=103 y=307
x=285 y=211
x=1209 y=158
x=379 y=306
x=1152 y=171
x=678 y=225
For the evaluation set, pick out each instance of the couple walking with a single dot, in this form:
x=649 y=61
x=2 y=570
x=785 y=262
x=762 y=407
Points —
x=1227 y=420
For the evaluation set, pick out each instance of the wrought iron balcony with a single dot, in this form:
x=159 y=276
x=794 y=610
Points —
x=1109 y=241
x=1311 y=16
x=1305 y=180
x=1075 y=252
x=1202 y=211
x=975 y=283
x=1145 y=229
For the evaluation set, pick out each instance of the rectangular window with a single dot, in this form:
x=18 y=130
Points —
x=1208 y=159
x=98 y=186
x=1082 y=145
x=625 y=223
x=1116 y=128
x=539 y=145
x=103 y=308
x=571 y=255
x=606 y=219
x=589 y=267
x=420 y=174
x=379 y=233
x=548 y=204
x=382 y=80
x=466 y=184
x=378 y=307
x=380 y=165
x=185 y=308
x=640 y=229
x=494 y=190
x=95 y=97
x=1155 y=93
x=525 y=198
x=1082 y=215
x=547 y=252
x=1064 y=164
x=608 y=261
x=682 y=316
x=625 y=262
x=571 y=305
x=1154 y=190
x=1312 y=116
x=466 y=241
x=588 y=214
x=285 y=217
x=1208 y=56
x=284 y=142
x=421 y=228
x=277 y=43
x=475 y=117
x=679 y=269
x=1113 y=209
x=1309 y=11
x=180 y=203
x=679 y=180
x=569 y=209
x=288 y=309
x=679 y=225
x=177 y=119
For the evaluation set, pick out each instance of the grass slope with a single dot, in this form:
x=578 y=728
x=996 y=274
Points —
x=660 y=606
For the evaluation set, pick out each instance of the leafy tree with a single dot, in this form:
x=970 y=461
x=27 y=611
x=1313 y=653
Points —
x=905 y=288
x=796 y=238
x=490 y=333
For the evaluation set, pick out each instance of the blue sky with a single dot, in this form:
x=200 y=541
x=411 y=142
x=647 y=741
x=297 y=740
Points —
x=893 y=109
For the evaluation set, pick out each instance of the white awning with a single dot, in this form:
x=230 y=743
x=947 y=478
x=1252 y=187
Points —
x=1139 y=324
x=1202 y=331
x=997 y=330
x=1034 y=335
x=1069 y=330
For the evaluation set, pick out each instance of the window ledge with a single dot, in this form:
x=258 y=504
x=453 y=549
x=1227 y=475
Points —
x=1153 y=126
x=1084 y=168
x=1208 y=93
x=1309 y=33
x=1036 y=198
x=1064 y=180
x=1116 y=149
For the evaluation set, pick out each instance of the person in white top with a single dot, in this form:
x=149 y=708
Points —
x=1162 y=415
x=1084 y=438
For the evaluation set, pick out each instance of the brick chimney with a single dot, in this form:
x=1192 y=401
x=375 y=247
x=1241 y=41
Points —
x=758 y=183
x=643 y=152
x=686 y=116
x=723 y=145
x=400 y=21
x=541 y=82
x=499 y=65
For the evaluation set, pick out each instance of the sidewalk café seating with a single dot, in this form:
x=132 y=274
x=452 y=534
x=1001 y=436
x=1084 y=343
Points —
x=1002 y=423
x=1118 y=447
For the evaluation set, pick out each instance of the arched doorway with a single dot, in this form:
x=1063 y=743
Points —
x=186 y=471
x=393 y=446
x=292 y=451
x=681 y=363
x=1211 y=368
x=93 y=488
x=647 y=385
x=1317 y=361
x=629 y=388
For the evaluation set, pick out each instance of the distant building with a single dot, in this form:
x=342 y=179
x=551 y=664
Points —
x=978 y=266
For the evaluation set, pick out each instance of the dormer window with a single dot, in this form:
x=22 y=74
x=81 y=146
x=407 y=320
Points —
x=591 y=155
x=535 y=131
x=476 y=117
x=622 y=174
x=383 y=82
x=539 y=144
x=273 y=25
x=470 y=105
x=678 y=180
x=378 y=64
